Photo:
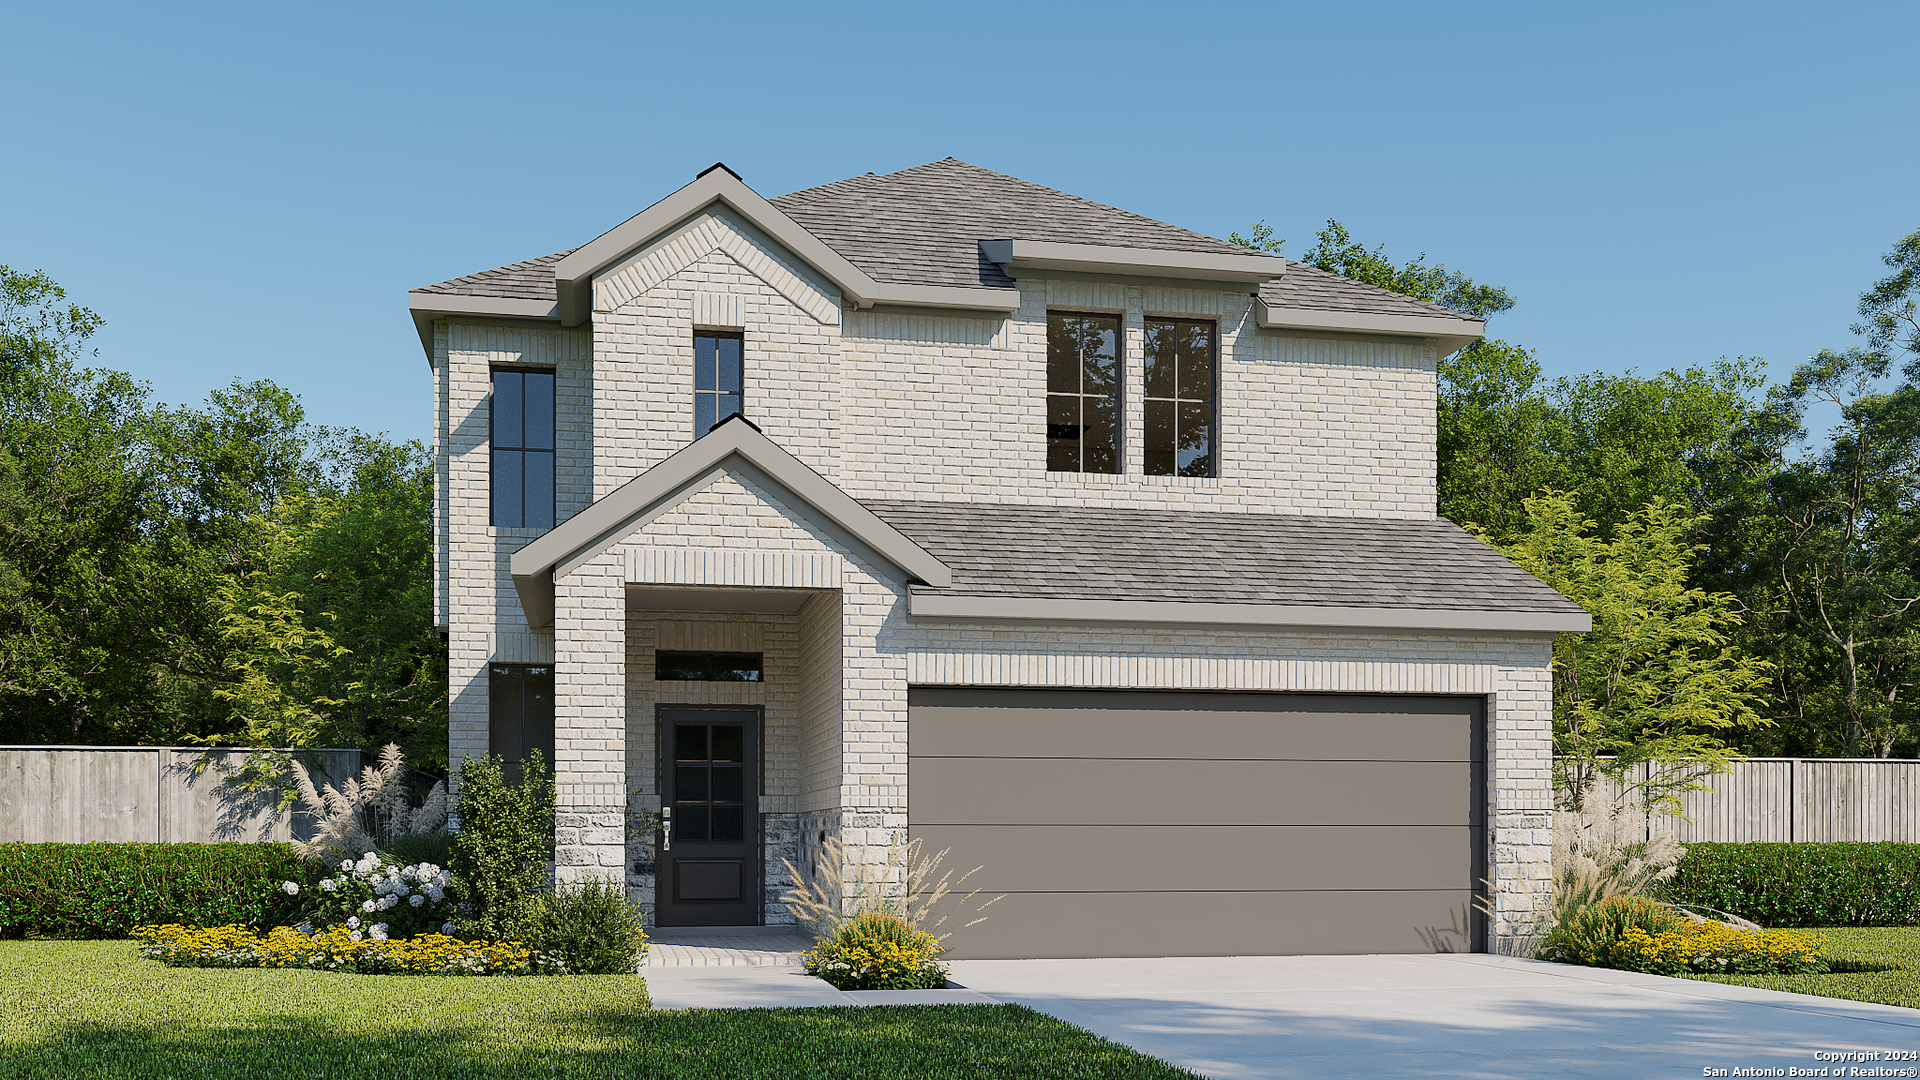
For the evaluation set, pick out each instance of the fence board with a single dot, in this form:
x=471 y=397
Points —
x=1796 y=799
x=79 y=794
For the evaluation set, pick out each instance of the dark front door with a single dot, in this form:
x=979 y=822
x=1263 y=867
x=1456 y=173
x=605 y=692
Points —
x=709 y=865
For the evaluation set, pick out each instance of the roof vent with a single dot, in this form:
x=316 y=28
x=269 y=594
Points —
x=720 y=165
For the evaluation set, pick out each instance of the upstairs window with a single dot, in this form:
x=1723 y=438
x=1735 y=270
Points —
x=1083 y=392
x=718 y=372
x=522 y=438
x=1179 y=398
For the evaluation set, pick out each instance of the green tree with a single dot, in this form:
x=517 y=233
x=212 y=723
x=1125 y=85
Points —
x=1337 y=252
x=1824 y=548
x=97 y=587
x=1888 y=308
x=1658 y=680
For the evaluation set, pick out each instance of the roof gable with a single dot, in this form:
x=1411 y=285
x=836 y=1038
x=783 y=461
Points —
x=630 y=507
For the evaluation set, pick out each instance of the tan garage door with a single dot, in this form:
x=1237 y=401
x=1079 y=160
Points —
x=1124 y=823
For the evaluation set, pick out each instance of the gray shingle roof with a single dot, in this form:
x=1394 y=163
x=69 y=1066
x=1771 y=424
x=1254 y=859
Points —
x=1074 y=553
x=530 y=280
x=1312 y=289
x=923 y=226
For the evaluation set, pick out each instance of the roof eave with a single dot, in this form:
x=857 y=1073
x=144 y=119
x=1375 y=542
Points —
x=935 y=605
x=1016 y=255
x=428 y=306
x=1452 y=334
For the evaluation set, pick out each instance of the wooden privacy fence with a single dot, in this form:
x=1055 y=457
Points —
x=1790 y=799
x=77 y=794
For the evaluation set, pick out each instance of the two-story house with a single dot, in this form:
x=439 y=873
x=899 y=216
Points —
x=941 y=504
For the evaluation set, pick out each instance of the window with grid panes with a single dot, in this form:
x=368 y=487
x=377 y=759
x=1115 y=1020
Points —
x=1083 y=392
x=1180 y=398
x=709 y=782
x=718 y=372
x=522 y=438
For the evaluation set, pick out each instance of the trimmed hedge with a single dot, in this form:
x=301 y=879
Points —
x=1846 y=884
x=105 y=890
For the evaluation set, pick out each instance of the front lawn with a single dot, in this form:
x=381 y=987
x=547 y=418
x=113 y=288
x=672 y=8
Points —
x=1854 y=948
x=83 y=1009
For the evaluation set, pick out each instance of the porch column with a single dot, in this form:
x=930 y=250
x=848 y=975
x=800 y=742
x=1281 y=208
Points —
x=589 y=722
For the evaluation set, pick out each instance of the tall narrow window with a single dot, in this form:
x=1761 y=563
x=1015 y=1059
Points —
x=1180 y=398
x=1083 y=392
x=522 y=439
x=522 y=713
x=717 y=376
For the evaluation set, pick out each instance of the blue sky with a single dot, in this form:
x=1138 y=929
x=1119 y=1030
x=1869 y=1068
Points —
x=249 y=191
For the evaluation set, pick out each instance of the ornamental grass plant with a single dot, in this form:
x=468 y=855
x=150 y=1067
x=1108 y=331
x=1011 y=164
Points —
x=907 y=883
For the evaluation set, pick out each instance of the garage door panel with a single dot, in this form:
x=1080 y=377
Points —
x=1055 y=791
x=1241 y=858
x=1131 y=725
x=1039 y=925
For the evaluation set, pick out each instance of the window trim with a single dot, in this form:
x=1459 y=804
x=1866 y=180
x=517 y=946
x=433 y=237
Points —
x=1213 y=401
x=694 y=375
x=1119 y=393
x=494 y=447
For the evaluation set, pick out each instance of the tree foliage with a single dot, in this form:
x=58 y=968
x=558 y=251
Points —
x=1658 y=681
x=225 y=574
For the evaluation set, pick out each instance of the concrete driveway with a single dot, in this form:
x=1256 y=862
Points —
x=1443 y=1016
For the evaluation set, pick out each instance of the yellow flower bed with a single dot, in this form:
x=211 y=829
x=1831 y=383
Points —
x=333 y=949
x=1714 y=948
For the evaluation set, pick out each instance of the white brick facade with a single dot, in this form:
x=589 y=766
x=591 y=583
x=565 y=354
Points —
x=912 y=405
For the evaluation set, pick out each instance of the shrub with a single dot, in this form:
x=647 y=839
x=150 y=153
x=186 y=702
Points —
x=331 y=950
x=380 y=898
x=410 y=848
x=104 y=890
x=587 y=929
x=1590 y=933
x=878 y=951
x=1714 y=948
x=500 y=853
x=1803 y=884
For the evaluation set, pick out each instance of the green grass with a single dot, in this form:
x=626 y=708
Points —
x=94 y=1009
x=1856 y=951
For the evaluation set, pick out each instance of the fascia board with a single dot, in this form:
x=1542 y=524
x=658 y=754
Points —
x=1273 y=318
x=1099 y=259
x=602 y=523
x=427 y=306
x=573 y=275
x=947 y=296
x=1037 y=609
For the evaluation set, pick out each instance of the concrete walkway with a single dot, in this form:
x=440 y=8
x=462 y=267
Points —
x=1484 y=1017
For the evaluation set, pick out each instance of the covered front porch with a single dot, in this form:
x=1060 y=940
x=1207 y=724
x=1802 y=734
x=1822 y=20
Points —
x=714 y=663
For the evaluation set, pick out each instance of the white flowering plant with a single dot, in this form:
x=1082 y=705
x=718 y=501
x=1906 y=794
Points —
x=378 y=899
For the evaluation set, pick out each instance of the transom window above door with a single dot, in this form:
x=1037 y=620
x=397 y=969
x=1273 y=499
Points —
x=719 y=370
x=1083 y=392
x=1179 y=398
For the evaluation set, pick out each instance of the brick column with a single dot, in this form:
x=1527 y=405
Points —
x=590 y=721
